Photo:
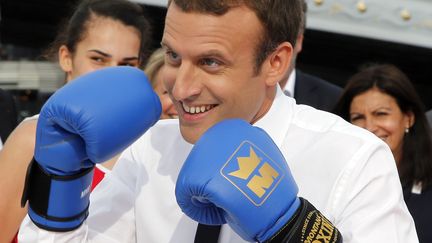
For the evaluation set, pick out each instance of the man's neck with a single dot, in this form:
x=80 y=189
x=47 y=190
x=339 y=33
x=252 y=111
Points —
x=268 y=102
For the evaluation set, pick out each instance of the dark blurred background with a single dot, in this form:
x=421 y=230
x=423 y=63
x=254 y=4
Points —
x=28 y=26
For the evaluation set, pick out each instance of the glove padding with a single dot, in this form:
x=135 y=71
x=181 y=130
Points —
x=88 y=121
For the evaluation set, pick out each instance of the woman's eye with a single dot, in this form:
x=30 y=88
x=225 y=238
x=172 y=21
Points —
x=97 y=59
x=128 y=64
x=380 y=113
x=355 y=118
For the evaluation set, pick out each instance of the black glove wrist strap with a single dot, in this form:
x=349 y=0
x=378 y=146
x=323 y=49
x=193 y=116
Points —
x=307 y=225
x=37 y=190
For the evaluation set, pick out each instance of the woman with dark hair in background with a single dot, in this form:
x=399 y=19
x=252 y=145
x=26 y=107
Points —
x=381 y=99
x=99 y=34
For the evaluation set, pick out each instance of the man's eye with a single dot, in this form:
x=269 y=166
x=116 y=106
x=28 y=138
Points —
x=209 y=62
x=172 y=56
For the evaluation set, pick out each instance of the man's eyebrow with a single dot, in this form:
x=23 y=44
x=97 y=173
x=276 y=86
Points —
x=209 y=53
x=165 y=46
x=215 y=53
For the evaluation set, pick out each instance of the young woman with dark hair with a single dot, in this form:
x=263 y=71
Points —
x=98 y=34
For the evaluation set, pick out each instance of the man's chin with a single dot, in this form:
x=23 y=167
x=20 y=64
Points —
x=190 y=134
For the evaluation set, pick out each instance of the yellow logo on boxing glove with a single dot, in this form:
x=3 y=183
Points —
x=252 y=172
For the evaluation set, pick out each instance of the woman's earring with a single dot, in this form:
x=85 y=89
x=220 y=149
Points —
x=407 y=130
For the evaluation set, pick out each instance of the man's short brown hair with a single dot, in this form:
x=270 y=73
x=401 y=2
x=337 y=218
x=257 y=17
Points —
x=280 y=19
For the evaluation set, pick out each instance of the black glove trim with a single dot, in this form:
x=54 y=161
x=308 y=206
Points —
x=307 y=225
x=60 y=229
x=37 y=190
x=207 y=233
x=25 y=195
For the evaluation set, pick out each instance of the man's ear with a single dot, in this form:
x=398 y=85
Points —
x=65 y=59
x=278 y=63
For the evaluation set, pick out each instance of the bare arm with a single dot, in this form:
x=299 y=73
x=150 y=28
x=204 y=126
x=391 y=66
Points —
x=109 y=164
x=14 y=159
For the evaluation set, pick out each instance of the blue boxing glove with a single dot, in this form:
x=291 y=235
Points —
x=235 y=174
x=88 y=121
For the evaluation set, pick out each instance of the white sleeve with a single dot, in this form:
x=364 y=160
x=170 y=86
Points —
x=111 y=214
x=372 y=208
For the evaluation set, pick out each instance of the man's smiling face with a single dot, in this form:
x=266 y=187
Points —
x=210 y=68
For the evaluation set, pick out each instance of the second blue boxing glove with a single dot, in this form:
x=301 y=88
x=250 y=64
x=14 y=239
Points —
x=87 y=121
x=235 y=174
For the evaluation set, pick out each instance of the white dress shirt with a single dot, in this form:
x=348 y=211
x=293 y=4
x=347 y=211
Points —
x=344 y=171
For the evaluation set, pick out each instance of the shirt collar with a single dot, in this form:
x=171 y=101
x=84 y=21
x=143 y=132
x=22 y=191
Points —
x=289 y=87
x=277 y=120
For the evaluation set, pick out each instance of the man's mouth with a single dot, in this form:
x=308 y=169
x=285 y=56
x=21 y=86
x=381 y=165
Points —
x=197 y=109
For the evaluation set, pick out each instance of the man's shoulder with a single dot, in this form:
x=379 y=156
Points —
x=165 y=132
x=167 y=126
x=322 y=123
x=315 y=91
x=168 y=129
x=161 y=145
x=308 y=79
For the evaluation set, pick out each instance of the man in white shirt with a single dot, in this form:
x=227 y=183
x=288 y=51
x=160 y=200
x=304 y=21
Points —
x=306 y=88
x=211 y=75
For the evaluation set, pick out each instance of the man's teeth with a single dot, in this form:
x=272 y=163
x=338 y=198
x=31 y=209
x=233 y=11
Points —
x=196 y=109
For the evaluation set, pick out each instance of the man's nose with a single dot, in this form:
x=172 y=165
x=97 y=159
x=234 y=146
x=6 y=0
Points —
x=187 y=83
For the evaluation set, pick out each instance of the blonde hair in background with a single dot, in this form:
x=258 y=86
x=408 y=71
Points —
x=154 y=64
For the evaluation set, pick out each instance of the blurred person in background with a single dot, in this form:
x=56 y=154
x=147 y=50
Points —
x=153 y=69
x=381 y=99
x=8 y=115
x=306 y=88
x=98 y=34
